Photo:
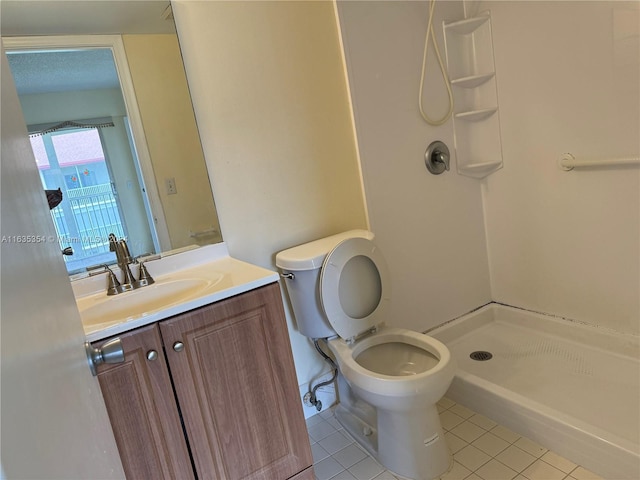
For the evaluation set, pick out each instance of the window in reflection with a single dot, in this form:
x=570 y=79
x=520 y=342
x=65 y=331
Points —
x=74 y=161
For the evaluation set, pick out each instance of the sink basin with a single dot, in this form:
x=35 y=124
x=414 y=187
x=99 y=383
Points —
x=99 y=309
x=184 y=281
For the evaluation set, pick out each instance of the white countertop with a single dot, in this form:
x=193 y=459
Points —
x=217 y=275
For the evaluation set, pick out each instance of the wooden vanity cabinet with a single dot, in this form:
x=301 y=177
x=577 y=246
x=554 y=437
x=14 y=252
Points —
x=236 y=391
x=142 y=409
x=237 y=388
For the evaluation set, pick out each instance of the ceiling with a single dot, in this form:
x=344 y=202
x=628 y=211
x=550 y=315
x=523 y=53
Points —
x=59 y=71
x=45 y=72
x=84 y=17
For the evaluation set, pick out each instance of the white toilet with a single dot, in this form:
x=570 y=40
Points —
x=389 y=378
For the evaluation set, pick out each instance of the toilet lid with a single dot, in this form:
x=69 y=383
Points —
x=354 y=287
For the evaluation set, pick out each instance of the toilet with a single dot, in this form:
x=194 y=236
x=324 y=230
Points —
x=389 y=379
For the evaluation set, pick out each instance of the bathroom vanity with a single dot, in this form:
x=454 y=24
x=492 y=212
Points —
x=211 y=391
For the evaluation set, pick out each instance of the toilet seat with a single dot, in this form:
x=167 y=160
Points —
x=354 y=287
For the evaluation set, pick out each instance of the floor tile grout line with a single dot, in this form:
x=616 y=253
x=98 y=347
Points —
x=519 y=471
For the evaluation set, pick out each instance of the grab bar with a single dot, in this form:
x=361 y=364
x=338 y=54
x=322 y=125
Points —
x=203 y=233
x=568 y=162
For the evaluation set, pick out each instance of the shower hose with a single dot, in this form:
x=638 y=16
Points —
x=431 y=34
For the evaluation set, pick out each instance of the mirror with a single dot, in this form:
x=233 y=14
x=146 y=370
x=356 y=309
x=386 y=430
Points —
x=131 y=49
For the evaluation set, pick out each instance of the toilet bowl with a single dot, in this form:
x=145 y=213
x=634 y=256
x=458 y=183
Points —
x=389 y=378
x=396 y=369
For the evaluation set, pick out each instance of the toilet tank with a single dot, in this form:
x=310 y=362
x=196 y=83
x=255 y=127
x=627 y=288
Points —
x=305 y=262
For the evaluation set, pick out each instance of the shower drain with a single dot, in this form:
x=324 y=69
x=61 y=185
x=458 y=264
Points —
x=480 y=355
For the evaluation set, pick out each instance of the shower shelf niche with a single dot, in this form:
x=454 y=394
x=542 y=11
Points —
x=473 y=80
x=476 y=119
x=476 y=115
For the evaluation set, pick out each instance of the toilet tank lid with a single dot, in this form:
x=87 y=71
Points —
x=309 y=256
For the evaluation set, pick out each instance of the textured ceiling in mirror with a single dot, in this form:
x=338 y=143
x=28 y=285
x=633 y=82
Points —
x=63 y=71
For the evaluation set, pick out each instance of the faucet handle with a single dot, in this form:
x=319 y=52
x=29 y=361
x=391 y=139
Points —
x=144 y=278
x=114 y=287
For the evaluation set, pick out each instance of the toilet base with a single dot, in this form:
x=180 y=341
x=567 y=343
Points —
x=412 y=446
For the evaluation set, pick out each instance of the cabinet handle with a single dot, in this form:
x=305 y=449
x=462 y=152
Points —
x=178 y=346
x=152 y=355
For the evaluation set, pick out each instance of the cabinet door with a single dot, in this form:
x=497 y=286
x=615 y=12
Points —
x=143 y=411
x=237 y=388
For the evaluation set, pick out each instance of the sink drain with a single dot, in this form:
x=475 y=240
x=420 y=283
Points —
x=480 y=355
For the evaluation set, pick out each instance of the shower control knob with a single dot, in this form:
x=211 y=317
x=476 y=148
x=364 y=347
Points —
x=437 y=157
x=178 y=346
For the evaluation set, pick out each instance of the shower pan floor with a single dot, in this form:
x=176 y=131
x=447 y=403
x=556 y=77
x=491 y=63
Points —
x=587 y=380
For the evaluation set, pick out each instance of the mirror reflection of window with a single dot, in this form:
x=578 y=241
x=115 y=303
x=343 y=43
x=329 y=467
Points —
x=148 y=100
x=74 y=161
x=80 y=134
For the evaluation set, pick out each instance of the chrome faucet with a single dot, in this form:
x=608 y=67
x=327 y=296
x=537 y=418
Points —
x=120 y=248
x=123 y=258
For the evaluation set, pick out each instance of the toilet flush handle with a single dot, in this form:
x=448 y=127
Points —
x=288 y=275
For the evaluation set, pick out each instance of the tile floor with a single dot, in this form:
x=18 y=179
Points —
x=482 y=450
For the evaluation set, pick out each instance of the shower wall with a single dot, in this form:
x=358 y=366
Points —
x=430 y=228
x=567 y=243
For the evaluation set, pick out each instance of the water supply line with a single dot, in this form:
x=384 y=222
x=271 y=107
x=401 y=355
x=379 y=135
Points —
x=311 y=397
x=443 y=70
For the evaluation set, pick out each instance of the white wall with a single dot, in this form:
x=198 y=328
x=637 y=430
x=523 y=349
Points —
x=430 y=228
x=172 y=137
x=271 y=104
x=567 y=243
